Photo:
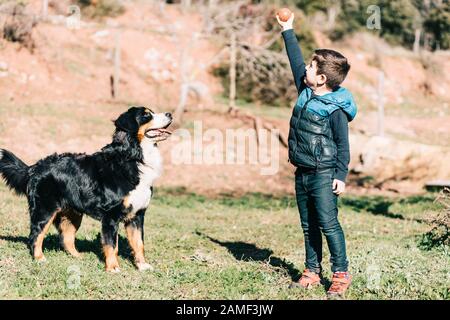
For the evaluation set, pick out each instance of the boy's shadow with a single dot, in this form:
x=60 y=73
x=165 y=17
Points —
x=51 y=243
x=243 y=251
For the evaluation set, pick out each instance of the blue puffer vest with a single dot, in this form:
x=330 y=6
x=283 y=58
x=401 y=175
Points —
x=311 y=142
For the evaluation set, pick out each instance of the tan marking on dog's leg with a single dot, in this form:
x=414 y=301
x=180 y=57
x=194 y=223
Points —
x=68 y=222
x=137 y=245
x=116 y=250
x=112 y=265
x=37 y=252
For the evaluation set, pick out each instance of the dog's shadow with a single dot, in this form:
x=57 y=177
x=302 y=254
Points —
x=243 y=251
x=51 y=243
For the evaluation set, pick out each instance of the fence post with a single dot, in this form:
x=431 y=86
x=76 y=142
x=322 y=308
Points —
x=380 y=129
x=186 y=4
x=416 y=46
x=232 y=97
x=116 y=76
x=44 y=9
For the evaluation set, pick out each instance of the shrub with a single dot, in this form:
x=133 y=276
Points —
x=399 y=19
x=263 y=73
x=437 y=23
x=439 y=236
x=101 y=8
x=17 y=24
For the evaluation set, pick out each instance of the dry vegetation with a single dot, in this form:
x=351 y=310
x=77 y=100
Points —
x=17 y=23
x=439 y=235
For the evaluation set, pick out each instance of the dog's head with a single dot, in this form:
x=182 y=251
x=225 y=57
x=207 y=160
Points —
x=143 y=123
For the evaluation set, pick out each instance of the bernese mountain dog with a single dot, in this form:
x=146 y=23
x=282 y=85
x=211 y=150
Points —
x=113 y=185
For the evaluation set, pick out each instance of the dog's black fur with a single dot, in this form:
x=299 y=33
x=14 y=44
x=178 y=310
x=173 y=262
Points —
x=78 y=183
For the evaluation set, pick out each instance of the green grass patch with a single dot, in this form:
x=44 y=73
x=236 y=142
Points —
x=228 y=247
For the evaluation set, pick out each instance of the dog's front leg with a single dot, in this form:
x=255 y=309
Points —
x=135 y=234
x=110 y=244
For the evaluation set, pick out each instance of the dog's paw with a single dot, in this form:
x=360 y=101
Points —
x=74 y=254
x=113 y=270
x=143 y=266
x=40 y=259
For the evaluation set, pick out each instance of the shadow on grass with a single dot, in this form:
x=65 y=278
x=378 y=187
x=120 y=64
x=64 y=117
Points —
x=51 y=243
x=182 y=197
x=374 y=205
x=379 y=205
x=243 y=251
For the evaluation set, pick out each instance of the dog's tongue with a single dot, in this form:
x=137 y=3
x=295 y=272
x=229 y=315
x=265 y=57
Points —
x=165 y=131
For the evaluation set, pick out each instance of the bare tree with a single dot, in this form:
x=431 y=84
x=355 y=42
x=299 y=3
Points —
x=17 y=24
x=232 y=96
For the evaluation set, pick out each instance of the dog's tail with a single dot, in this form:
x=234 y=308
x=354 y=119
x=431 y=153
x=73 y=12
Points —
x=14 y=171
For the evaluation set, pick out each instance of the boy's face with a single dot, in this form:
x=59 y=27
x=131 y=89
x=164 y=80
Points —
x=312 y=79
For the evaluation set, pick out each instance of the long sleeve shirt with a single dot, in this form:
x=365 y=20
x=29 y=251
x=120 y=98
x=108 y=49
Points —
x=338 y=119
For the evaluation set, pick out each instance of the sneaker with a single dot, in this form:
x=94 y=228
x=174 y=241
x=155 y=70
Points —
x=307 y=280
x=339 y=285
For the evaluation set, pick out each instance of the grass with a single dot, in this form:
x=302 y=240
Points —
x=228 y=248
x=434 y=138
x=419 y=109
x=260 y=110
x=77 y=119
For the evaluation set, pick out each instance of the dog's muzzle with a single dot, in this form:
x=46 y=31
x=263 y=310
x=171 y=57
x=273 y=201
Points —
x=158 y=133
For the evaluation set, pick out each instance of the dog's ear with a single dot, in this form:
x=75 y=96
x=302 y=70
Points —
x=127 y=122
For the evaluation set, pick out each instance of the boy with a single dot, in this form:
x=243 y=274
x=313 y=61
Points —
x=319 y=148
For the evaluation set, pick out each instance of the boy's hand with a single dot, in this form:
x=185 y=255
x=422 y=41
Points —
x=286 y=24
x=338 y=186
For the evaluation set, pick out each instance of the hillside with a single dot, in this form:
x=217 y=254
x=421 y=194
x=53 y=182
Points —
x=57 y=98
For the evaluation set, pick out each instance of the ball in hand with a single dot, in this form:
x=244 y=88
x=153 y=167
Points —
x=284 y=14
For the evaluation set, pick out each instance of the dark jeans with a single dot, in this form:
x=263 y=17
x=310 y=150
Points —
x=318 y=214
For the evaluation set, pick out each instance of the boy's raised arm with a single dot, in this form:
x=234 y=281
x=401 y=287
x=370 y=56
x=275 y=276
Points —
x=294 y=53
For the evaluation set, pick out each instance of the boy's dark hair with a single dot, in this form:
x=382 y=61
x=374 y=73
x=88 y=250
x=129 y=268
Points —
x=333 y=65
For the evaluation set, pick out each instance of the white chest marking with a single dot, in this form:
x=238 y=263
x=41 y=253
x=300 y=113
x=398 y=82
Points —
x=140 y=197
